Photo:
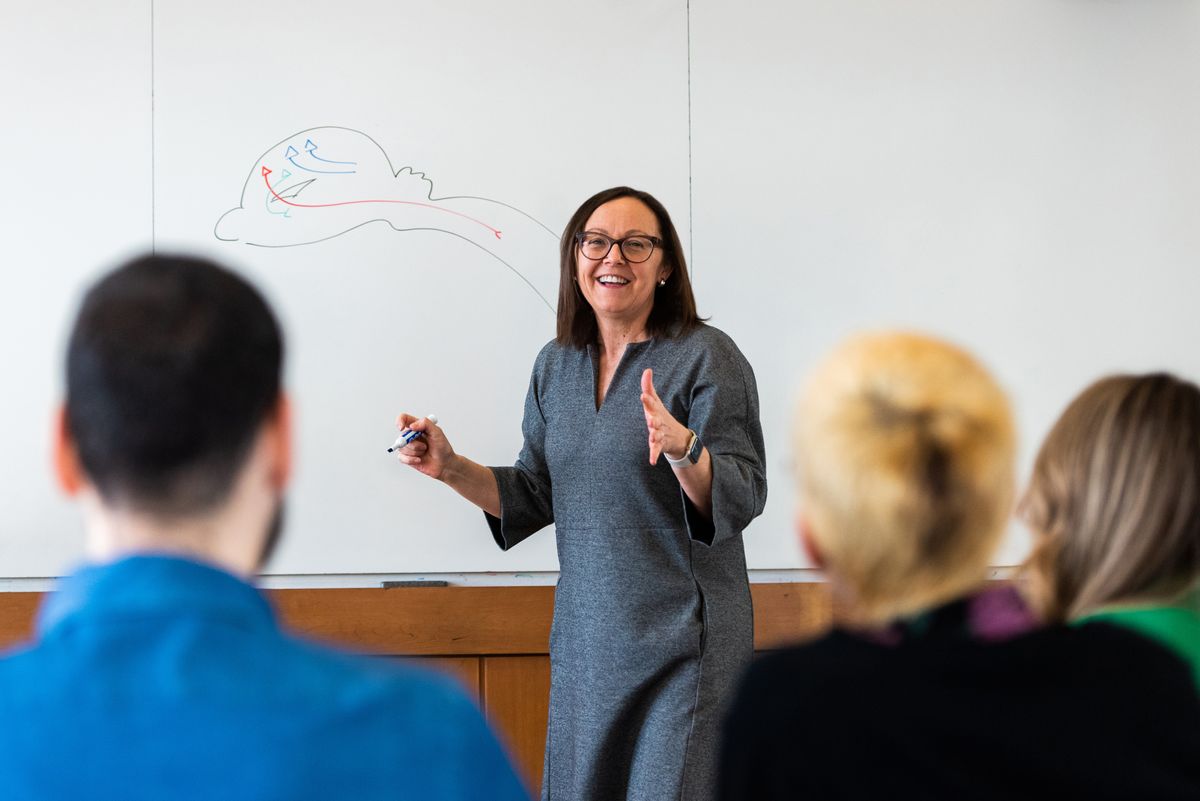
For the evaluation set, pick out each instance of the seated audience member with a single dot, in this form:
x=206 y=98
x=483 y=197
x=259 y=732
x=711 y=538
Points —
x=1114 y=504
x=159 y=672
x=933 y=684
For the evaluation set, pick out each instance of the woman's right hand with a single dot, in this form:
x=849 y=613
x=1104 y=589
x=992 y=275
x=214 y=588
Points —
x=430 y=453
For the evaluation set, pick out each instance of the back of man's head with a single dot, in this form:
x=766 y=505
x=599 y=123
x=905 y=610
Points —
x=173 y=366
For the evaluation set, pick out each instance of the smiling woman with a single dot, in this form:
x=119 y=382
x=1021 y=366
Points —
x=652 y=616
x=625 y=234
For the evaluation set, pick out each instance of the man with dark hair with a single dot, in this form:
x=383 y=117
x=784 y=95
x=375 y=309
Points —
x=158 y=671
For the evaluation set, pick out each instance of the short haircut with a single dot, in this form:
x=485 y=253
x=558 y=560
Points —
x=674 y=310
x=1114 y=501
x=906 y=454
x=172 y=367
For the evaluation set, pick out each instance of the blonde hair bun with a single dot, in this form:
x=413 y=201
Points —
x=906 y=448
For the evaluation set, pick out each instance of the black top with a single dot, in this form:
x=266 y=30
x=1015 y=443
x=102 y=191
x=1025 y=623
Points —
x=934 y=711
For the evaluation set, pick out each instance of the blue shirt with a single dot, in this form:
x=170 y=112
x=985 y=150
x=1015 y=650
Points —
x=160 y=678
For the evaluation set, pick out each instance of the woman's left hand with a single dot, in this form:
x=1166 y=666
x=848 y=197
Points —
x=666 y=434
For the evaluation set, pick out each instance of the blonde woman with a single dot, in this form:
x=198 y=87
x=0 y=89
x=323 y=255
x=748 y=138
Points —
x=1115 y=505
x=934 y=684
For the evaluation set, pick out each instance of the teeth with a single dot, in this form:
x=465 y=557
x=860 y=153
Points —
x=612 y=279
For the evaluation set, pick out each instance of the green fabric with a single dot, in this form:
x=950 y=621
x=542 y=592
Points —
x=1176 y=627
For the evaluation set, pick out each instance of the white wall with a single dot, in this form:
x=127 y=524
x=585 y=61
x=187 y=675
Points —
x=75 y=143
x=1019 y=175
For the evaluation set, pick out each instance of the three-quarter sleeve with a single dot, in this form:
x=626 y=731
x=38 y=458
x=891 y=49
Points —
x=724 y=413
x=526 y=503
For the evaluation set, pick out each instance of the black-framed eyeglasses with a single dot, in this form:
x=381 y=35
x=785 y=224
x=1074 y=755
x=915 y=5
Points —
x=635 y=249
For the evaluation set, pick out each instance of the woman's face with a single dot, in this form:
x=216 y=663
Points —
x=617 y=289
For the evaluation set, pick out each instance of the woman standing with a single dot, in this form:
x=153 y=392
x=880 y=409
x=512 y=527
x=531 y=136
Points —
x=652 y=616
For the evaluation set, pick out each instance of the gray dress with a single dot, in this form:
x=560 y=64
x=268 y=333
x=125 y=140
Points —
x=652 y=616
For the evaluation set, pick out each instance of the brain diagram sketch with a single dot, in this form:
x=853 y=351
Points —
x=324 y=182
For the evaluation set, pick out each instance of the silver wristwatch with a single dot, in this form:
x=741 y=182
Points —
x=690 y=456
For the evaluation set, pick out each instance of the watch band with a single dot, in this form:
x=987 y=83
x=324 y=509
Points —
x=691 y=454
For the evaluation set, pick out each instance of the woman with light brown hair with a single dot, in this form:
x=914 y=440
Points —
x=1114 y=505
x=935 y=683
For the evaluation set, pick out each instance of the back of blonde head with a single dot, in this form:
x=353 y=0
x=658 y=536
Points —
x=1114 y=501
x=905 y=446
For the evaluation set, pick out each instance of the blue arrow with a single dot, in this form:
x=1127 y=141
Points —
x=283 y=213
x=311 y=147
x=291 y=153
x=321 y=172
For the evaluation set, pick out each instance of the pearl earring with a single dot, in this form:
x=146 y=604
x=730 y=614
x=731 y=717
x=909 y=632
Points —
x=662 y=282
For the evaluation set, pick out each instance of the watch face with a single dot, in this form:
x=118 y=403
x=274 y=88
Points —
x=695 y=449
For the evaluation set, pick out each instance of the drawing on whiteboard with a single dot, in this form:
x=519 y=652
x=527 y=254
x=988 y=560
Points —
x=324 y=182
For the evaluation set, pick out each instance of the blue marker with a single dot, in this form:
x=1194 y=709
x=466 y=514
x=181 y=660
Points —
x=408 y=435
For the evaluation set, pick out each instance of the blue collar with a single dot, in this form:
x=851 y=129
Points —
x=153 y=586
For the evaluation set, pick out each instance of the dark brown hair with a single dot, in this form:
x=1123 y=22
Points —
x=1114 y=502
x=674 y=310
x=173 y=365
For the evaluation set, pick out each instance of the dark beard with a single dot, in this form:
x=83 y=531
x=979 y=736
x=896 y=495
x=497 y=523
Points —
x=274 y=532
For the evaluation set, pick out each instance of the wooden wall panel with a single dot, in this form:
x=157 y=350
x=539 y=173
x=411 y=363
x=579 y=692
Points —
x=516 y=700
x=423 y=620
x=464 y=668
x=461 y=621
x=786 y=613
x=17 y=611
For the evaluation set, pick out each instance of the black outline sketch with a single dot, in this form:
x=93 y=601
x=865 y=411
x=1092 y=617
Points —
x=295 y=189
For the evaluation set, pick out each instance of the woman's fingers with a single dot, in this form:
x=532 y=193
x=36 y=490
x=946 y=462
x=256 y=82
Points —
x=659 y=422
x=650 y=399
x=655 y=441
x=656 y=414
x=648 y=384
x=412 y=423
x=428 y=453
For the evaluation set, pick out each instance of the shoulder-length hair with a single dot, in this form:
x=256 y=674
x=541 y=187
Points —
x=1114 y=501
x=674 y=310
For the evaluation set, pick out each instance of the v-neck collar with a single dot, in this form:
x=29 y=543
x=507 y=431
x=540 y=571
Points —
x=630 y=352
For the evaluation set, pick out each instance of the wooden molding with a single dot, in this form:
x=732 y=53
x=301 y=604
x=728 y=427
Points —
x=787 y=613
x=17 y=613
x=460 y=621
x=423 y=620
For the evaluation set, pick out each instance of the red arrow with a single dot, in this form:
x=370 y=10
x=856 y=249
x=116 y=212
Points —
x=266 y=171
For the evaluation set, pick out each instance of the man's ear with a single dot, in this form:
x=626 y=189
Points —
x=808 y=543
x=280 y=432
x=68 y=471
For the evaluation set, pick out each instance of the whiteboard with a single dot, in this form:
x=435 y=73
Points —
x=1018 y=175
x=77 y=196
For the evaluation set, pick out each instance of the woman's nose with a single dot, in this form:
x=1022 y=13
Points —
x=615 y=255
